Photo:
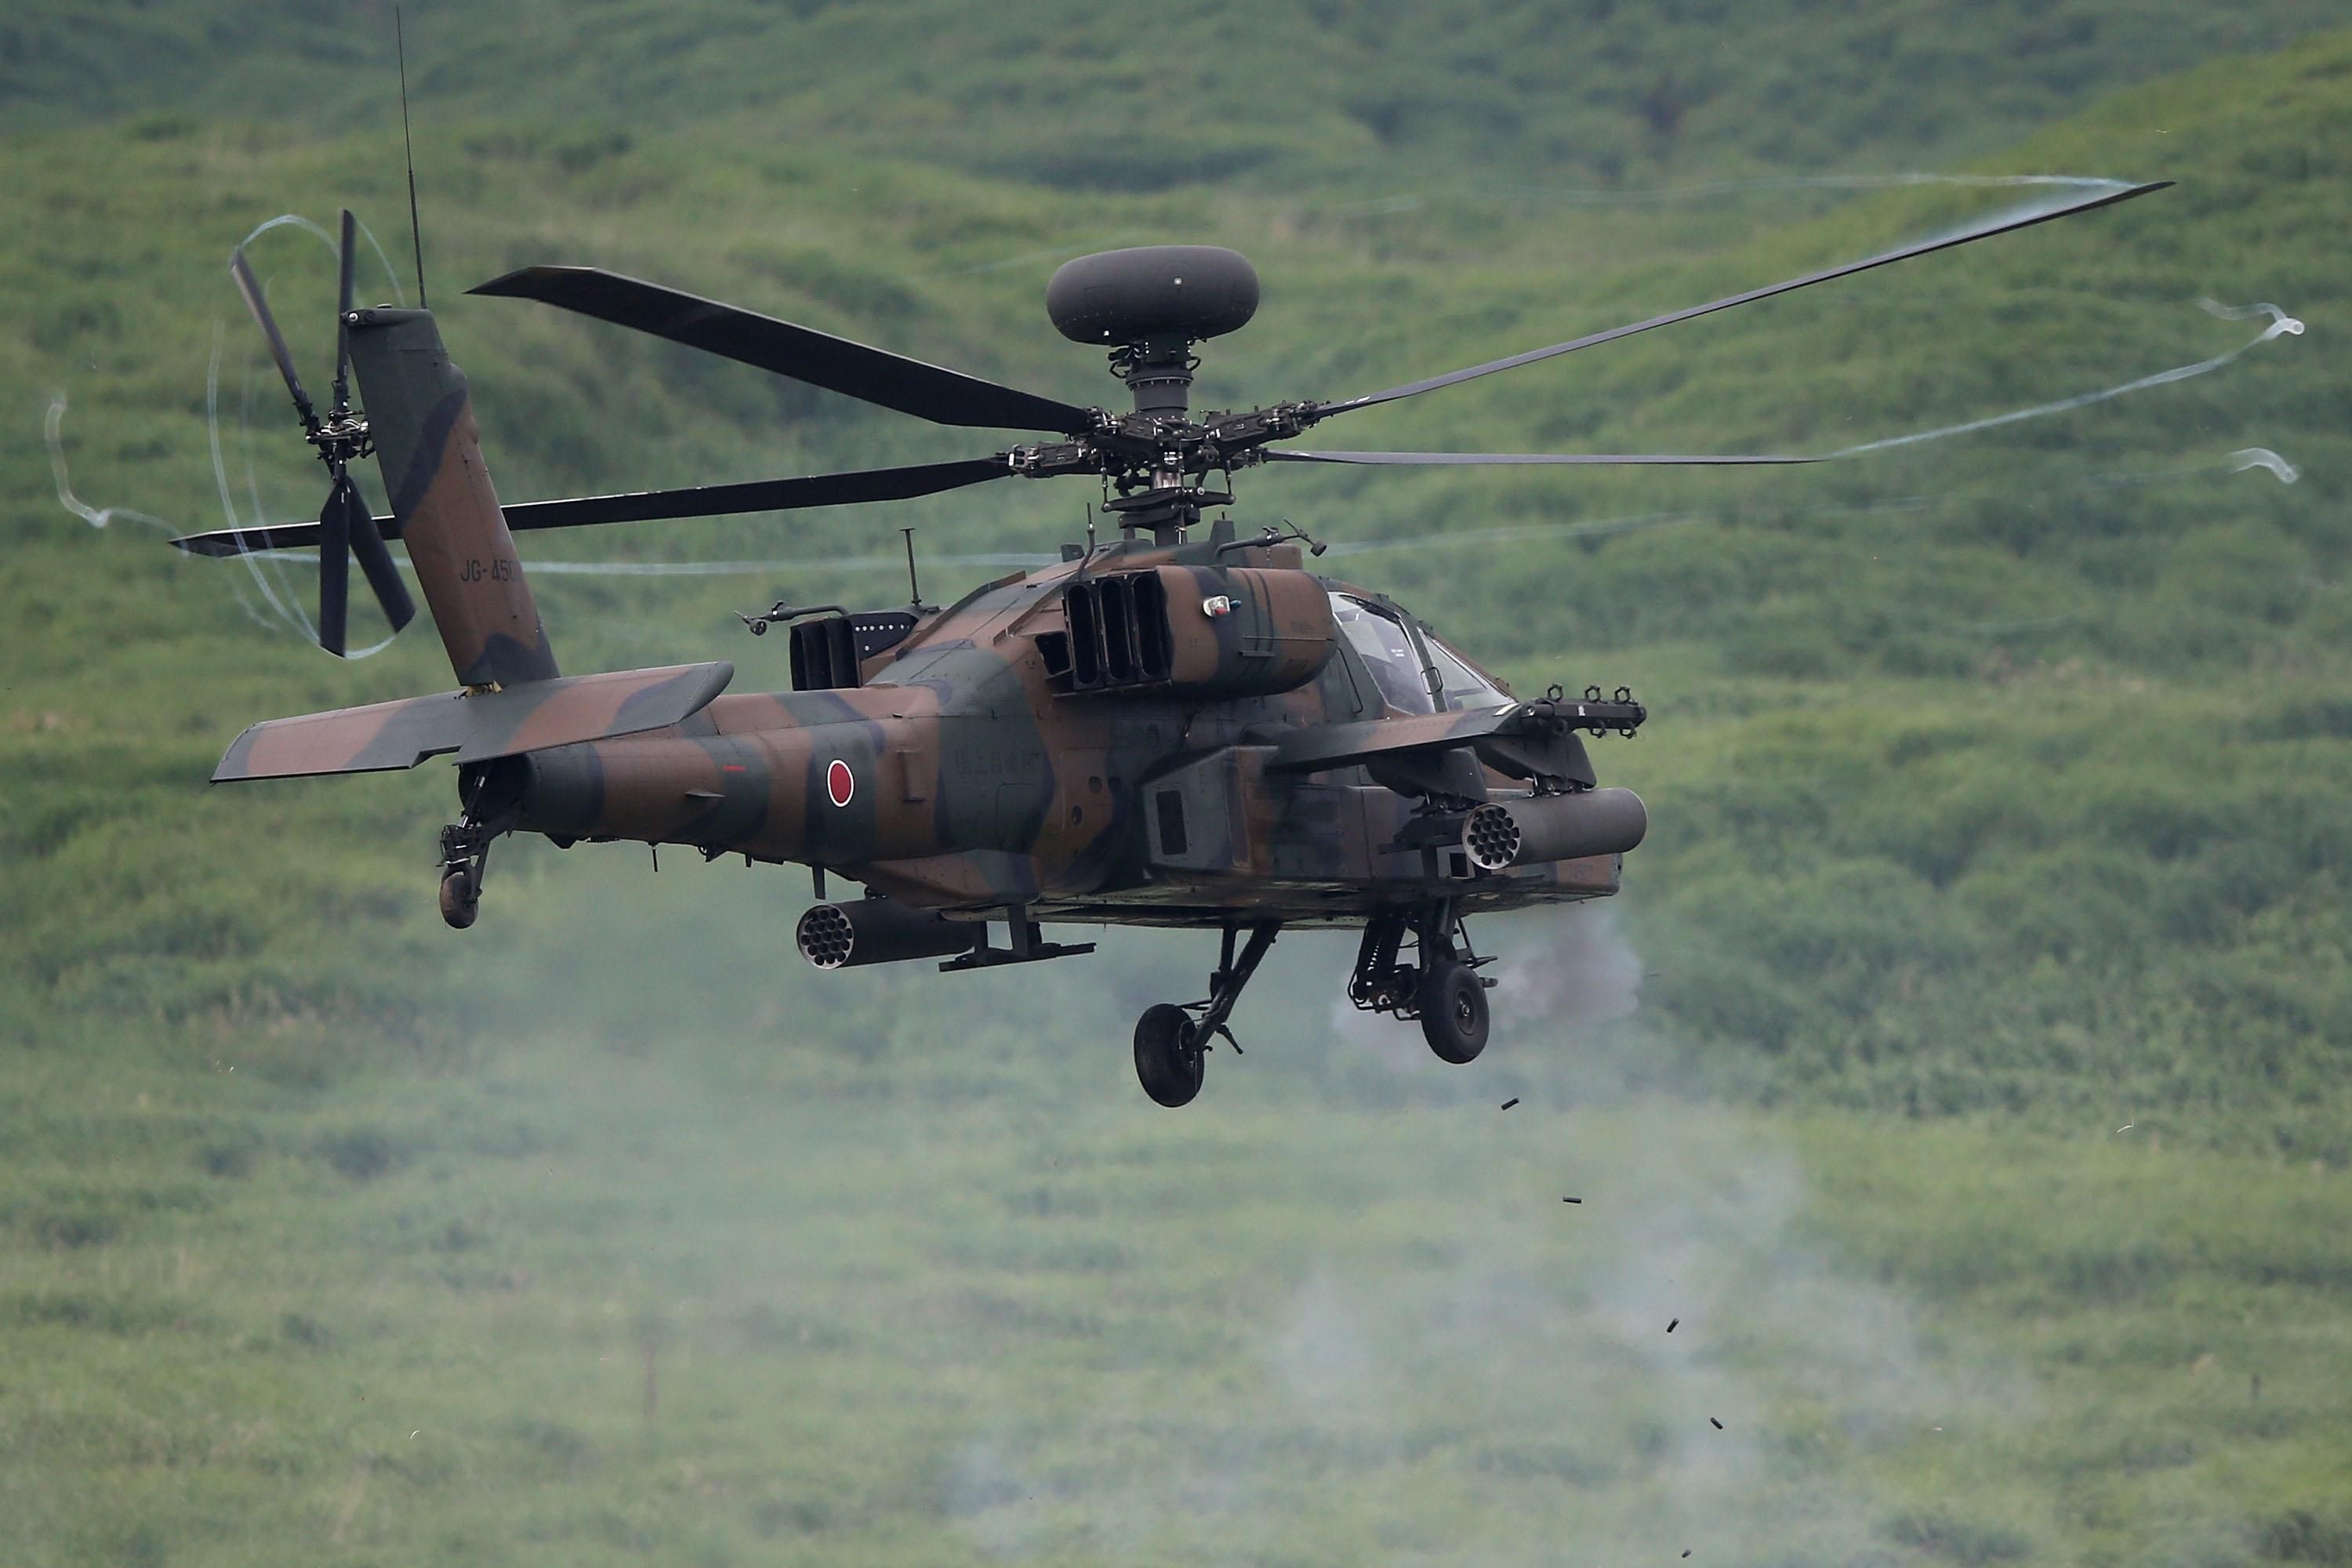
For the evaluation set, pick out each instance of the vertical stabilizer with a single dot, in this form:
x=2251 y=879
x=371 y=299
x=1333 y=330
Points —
x=430 y=455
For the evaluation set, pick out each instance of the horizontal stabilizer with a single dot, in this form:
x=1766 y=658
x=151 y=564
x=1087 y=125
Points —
x=475 y=725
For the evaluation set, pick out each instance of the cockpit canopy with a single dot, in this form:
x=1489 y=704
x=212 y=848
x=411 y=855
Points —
x=1401 y=659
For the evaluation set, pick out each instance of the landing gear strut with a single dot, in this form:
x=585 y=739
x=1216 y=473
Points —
x=465 y=854
x=466 y=850
x=1443 y=987
x=1171 y=1042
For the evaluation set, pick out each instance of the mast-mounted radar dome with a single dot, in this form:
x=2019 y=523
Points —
x=1152 y=293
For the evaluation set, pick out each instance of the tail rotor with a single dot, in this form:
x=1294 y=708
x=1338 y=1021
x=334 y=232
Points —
x=346 y=529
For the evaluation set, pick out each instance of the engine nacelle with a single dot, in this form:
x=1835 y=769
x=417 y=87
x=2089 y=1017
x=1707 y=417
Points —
x=1537 y=829
x=1244 y=631
x=876 y=930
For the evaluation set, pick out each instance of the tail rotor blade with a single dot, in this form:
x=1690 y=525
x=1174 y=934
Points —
x=376 y=563
x=343 y=258
x=250 y=287
x=335 y=564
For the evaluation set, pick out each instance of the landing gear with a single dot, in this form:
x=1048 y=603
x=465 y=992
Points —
x=1170 y=1066
x=1171 y=1042
x=1443 y=987
x=461 y=896
x=466 y=849
x=465 y=856
x=1453 y=1003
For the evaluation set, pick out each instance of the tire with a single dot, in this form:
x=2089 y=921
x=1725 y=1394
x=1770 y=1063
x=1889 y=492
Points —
x=1169 y=1066
x=1453 y=1001
x=459 y=903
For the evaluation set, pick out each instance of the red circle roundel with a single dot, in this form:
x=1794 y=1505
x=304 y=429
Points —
x=840 y=784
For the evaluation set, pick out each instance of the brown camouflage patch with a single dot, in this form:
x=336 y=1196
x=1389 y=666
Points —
x=430 y=454
x=475 y=725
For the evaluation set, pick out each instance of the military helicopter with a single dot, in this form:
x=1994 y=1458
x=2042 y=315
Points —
x=1184 y=727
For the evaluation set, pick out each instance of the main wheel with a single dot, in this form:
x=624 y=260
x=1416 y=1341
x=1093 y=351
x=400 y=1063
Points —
x=1166 y=1059
x=1454 y=1012
x=460 y=900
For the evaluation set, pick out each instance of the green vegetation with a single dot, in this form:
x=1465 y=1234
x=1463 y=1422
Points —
x=1072 y=96
x=685 y=1306
x=1996 y=784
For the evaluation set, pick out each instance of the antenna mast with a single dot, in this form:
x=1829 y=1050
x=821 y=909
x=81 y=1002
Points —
x=415 y=234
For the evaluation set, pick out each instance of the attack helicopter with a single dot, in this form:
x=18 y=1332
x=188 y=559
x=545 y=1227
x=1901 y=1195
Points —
x=1184 y=727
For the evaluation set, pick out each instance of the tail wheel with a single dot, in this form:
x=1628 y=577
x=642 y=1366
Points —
x=460 y=900
x=1170 y=1065
x=1453 y=1003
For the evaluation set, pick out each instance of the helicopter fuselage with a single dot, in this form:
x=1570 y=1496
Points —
x=968 y=772
x=1176 y=731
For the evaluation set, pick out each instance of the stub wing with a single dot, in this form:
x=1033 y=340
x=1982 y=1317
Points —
x=1321 y=746
x=474 y=725
x=1525 y=738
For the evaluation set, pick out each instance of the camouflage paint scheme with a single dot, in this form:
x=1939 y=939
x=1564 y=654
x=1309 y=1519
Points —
x=430 y=454
x=974 y=785
x=1189 y=732
x=476 y=725
x=1260 y=776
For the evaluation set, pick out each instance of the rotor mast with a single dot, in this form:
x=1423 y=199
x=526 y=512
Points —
x=1151 y=305
x=1159 y=374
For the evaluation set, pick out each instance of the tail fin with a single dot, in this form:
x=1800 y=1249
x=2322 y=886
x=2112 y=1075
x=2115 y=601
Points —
x=430 y=454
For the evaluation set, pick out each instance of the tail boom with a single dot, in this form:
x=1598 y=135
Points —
x=430 y=453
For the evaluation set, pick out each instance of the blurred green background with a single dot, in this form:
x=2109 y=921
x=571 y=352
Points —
x=1996 y=784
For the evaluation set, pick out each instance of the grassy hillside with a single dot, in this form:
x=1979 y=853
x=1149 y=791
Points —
x=1074 y=96
x=2101 y=666
x=1995 y=782
x=689 y=1306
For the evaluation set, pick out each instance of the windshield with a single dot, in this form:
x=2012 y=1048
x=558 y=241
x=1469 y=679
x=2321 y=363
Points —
x=1465 y=687
x=1387 y=652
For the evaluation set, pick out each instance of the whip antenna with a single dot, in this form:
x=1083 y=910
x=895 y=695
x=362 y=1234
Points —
x=415 y=234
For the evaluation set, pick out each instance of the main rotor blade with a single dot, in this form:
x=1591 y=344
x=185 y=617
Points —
x=871 y=375
x=250 y=287
x=343 y=315
x=1924 y=247
x=759 y=495
x=335 y=529
x=644 y=506
x=1423 y=459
